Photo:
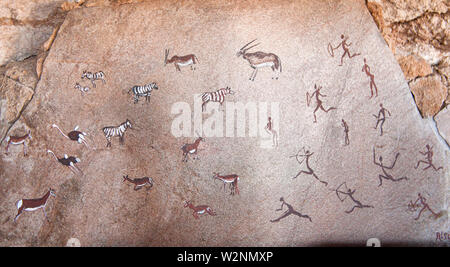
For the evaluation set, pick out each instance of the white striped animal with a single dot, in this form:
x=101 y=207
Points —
x=34 y=204
x=17 y=140
x=217 y=96
x=119 y=131
x=74 y=135
x=93 y=76
x=82 y=89
x=259 y=60
x=143 y=90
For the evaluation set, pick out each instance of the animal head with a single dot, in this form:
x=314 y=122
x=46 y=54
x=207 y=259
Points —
x=229 y=91
x=187 y=203
x=128 y=123
x=125 y=177
x=244 y=49
x=154 y=86
x=84 y=75
x=52 y=192
x=215 y=175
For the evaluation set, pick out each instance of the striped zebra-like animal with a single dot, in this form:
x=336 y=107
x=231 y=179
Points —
x=93 y=76
x=119 y=131
x=143 y=90
x=217 y=96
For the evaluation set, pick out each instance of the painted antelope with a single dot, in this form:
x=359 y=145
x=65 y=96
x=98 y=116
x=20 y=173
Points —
x=82 y=89
x=191 y=149
x=34 y=204
x=203 y=209
x=143 y=90
x=181 y=61
x=17 y=140
x=93 y=76
x=74 y=135
x=259 y=59
x=139 y=182
x=111 y=131
x=231 y=179
x=217 y=96
x=68 y=161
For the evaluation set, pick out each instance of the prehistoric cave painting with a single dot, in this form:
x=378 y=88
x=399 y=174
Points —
x=140 y=182
x=82 y=89
x=217 y=96
x=346 y=130
x=199 y=210
x=18 y=140
x=143 y=91
x=318 y=101
x=231 y=179
x=93 y=77
x=69 y=162
x=381 y=117
x=345 y=47
x=269 y=129
x=191 y=149
x=413 y=206
x=180 y=61
x=290 y=211
x=429 y=159
x=74 y=135
x=348 y=192
x=300 y=158
x=259 y=60
x=385 y=175
x=34 y=204
x=111 y=131
x=366 y=69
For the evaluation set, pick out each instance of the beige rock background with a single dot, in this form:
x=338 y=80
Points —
x=139 y=218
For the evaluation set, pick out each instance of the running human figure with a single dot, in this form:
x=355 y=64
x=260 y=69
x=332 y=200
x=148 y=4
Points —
x=423 y=202
x=429 y=158
x=310 y=171
x=345 y=47
x=346 y=130
x=350 y=194
x=271 y=131
x=289 y=212
x=383 y=168
x=381 y=118
x=366 y=69
x=318 y=101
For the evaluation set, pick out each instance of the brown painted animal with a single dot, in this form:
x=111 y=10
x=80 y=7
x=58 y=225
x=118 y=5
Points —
x=181 y=61
x=139 y=182
x=231 y=179
x=191 y=149
x=34 y=204
x=17 y=140
x=198 y=210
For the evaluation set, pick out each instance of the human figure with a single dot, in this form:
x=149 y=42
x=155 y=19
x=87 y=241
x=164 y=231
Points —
x=383 y=168
x=381 y=117
x=272 y=132
x=345 y=47
x=350 y=194
x=424 y=206
x=306 y=156
x=366 y=69
x=346 y=130
x=318 y=101
x=429 y=158
x=289 y=212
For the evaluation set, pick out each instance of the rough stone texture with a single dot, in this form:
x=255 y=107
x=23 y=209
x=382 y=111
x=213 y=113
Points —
x=429 y=94
x=100 y=210
x=442 y=120
x=414 y=67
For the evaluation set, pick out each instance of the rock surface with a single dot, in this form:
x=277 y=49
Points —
x=102 y=210
x=430 y=94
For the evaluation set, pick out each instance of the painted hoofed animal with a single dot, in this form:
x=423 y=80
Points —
x=143 y=90
x=180 y=61
x=34 y=204
x=203 y=209
x=119 y=131
x=17 y=140
x=191 y=149
x=231 y=179
x=217 y=96
x=139 y=182
x=93 y=76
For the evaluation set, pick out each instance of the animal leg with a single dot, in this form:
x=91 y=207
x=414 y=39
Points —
x=19 y=212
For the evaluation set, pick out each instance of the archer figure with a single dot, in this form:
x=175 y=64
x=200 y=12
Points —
x=424 y=206
x=381 y=117
x=429 y=158
x=350 y=194
x=272 y=132
x=346 y=130
x=306 y=156
x=289 y=212
x=366 y=69
x=386 y=175
x=318 y=101
x=344 y=46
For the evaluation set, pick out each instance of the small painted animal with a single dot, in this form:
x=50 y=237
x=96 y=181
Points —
x=93 y=76
x=74 y=135
x=119 y=131
x=198 y=210
x=143 y=90
x=82 y=89
x=69 y=162
x=217 y=96
x=231 y=179
x=17 y=140
x=34 y=204
x=191 y=149
x=180 y=61
x=139 y=182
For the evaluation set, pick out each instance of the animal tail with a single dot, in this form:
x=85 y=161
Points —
x=279 y=62
x=19 y=203
x=56 y=126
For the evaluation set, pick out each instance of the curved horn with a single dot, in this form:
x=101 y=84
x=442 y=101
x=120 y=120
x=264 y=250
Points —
x=247 y=44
